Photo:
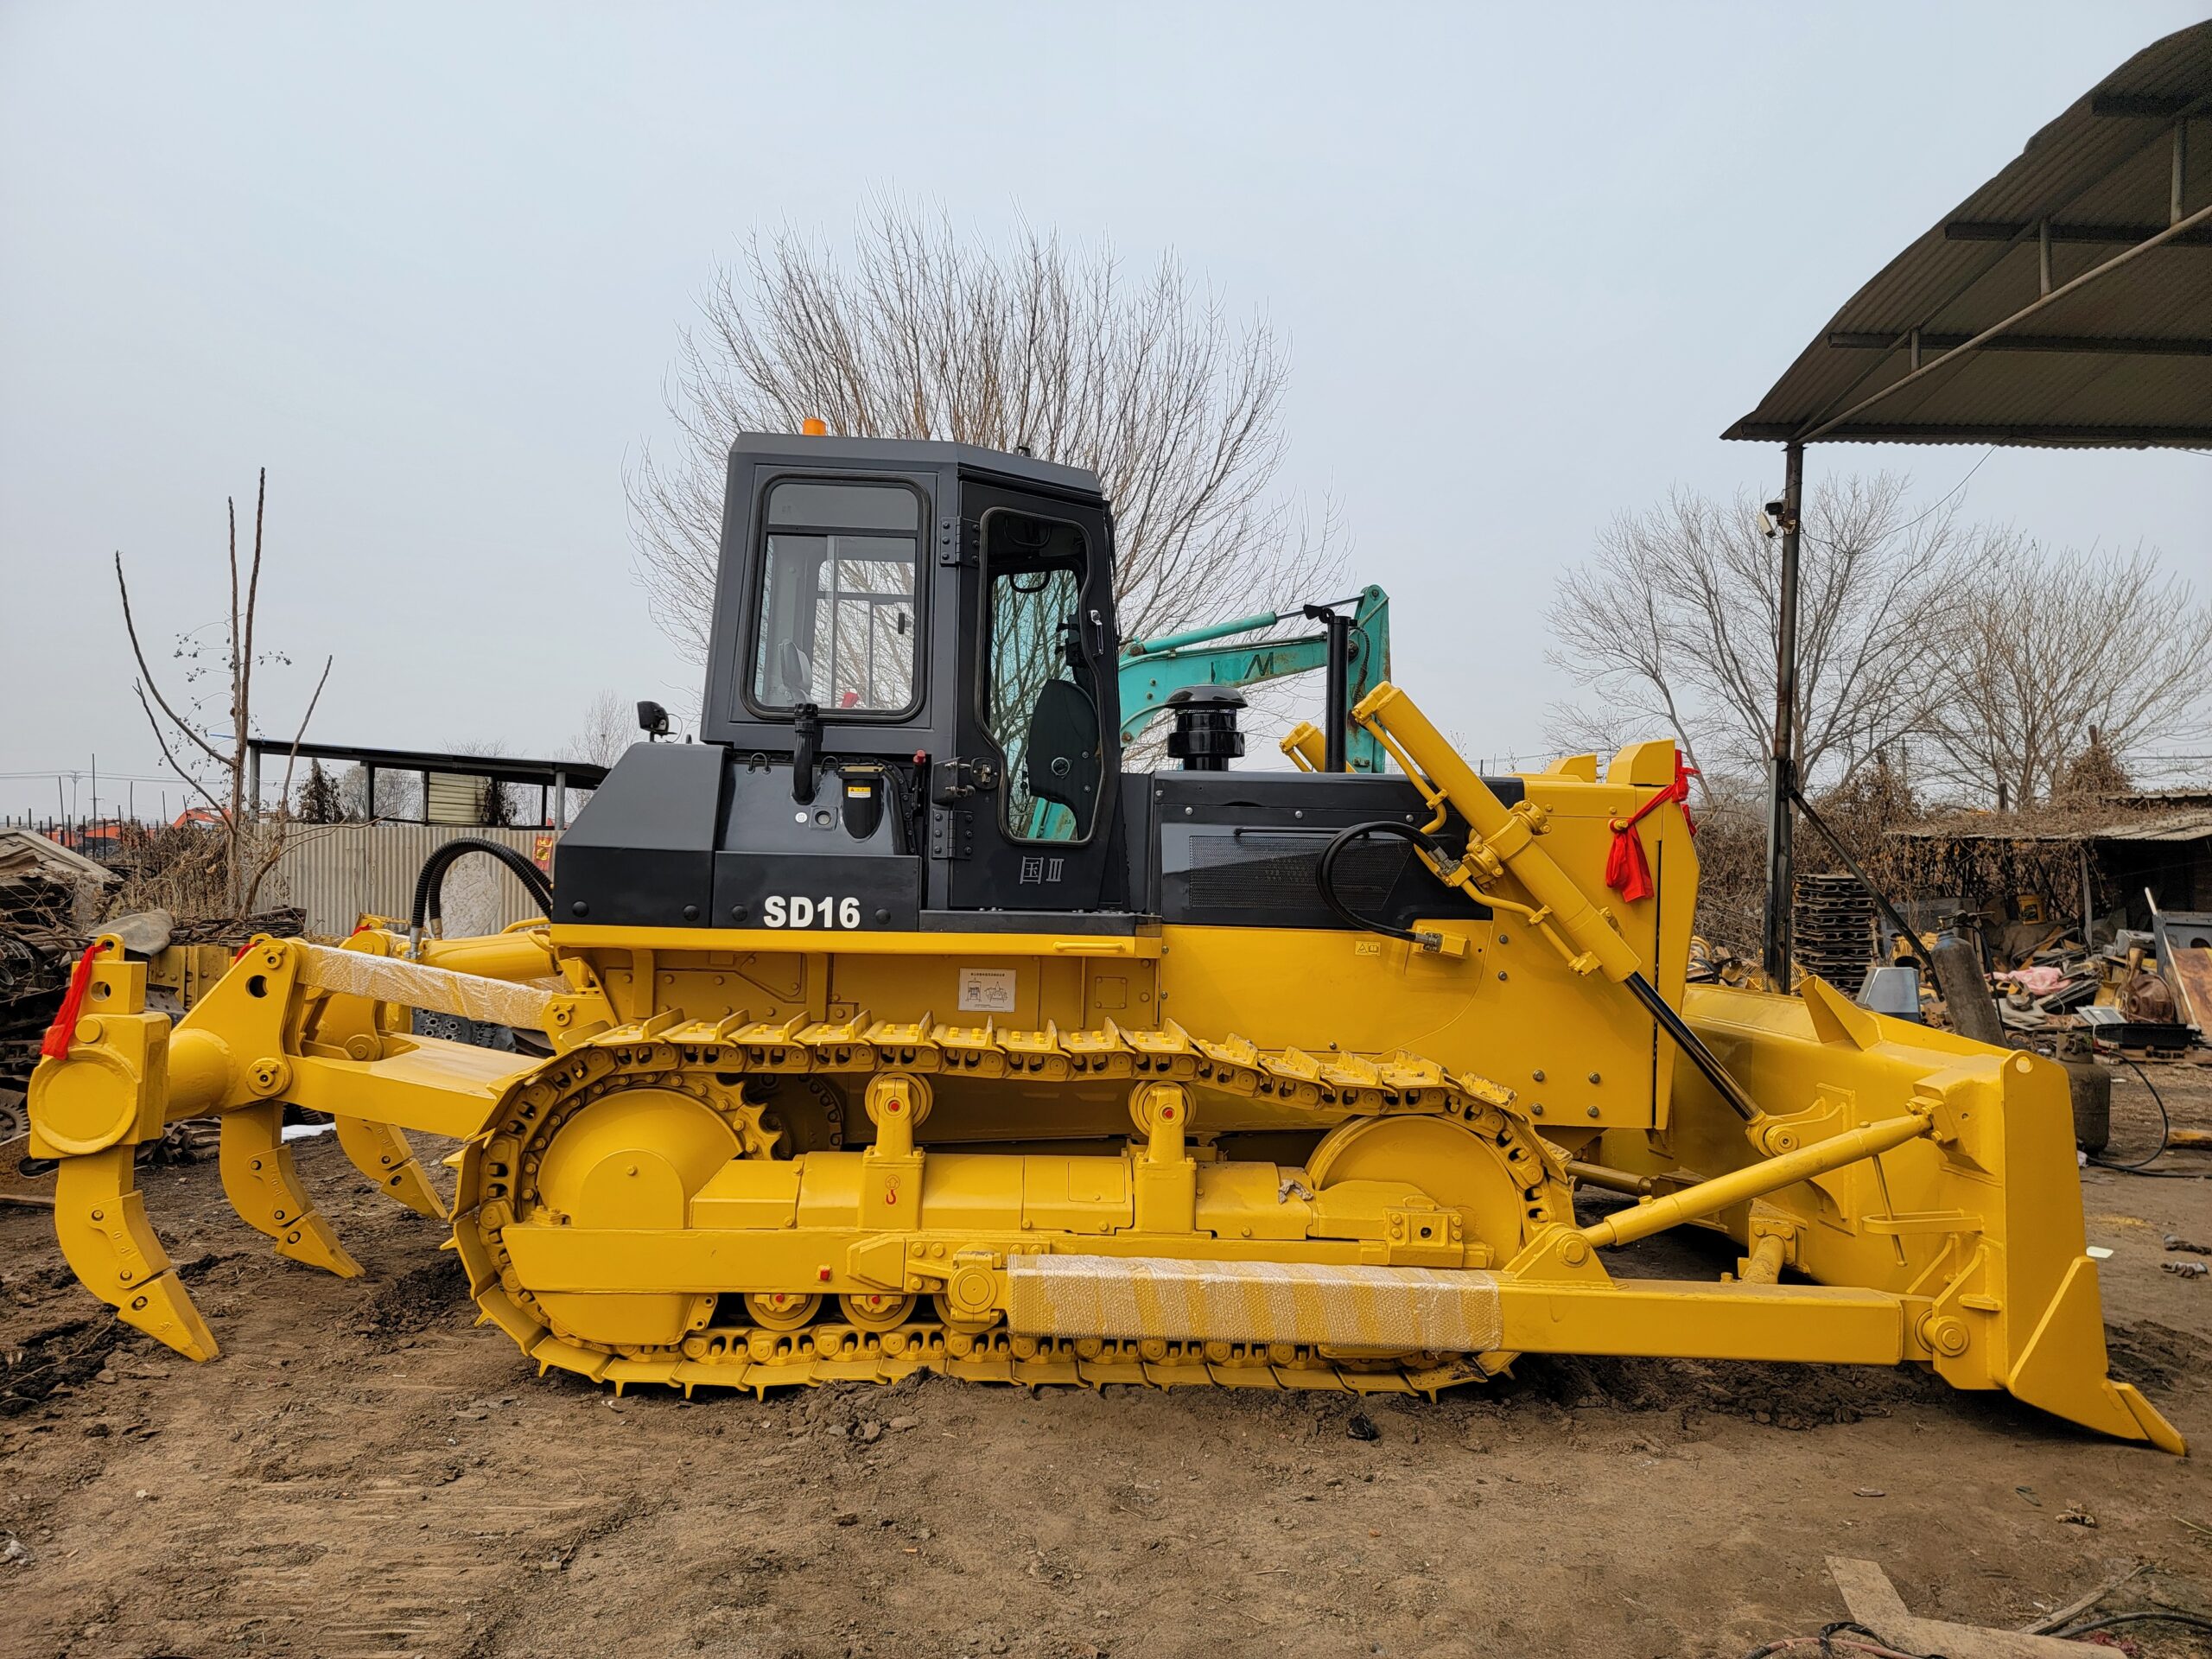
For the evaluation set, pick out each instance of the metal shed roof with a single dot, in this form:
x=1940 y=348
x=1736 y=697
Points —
x=2173 y=826
x=574 y=774
x=2068 y=301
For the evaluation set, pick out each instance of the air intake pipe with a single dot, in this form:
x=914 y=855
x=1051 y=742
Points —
x=1205 y=738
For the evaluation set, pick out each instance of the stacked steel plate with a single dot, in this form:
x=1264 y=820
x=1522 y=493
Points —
x=1832 y=925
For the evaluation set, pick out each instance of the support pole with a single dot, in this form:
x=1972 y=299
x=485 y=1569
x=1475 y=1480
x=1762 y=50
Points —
x=1782 y=781
x=1337 y=677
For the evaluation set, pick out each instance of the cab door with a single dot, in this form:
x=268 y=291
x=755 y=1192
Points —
x=1024 y=821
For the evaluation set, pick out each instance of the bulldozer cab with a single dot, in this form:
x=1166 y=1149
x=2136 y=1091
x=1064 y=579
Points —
x=913 y=656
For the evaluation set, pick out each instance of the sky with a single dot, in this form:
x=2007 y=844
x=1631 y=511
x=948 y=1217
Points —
x=428 y=265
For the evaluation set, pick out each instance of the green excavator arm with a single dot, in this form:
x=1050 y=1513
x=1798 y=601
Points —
x=1152 y=670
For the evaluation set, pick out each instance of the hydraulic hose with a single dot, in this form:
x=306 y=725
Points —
x=1324 y=872
x=430 y=905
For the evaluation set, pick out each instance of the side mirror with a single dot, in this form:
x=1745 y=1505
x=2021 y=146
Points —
x=652 y=720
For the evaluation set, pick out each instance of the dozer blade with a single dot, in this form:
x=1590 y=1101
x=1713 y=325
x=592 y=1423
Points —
x=264 y=1188
x=381 y=1151
x=1926 y=1181
x=1975 y=1228
x=2061 y=1369
x=100 y=1219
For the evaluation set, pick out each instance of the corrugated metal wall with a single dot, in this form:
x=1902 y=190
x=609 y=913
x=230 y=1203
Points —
x=337 y=872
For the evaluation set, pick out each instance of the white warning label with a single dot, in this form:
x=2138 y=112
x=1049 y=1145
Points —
x=987 y=990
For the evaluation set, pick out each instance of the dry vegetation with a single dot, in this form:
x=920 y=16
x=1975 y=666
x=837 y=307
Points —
x=1979 y=668
x=916 y=332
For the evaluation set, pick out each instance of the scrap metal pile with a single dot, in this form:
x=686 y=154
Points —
x=49 y=898
x=2147 y=990
x=52 y=902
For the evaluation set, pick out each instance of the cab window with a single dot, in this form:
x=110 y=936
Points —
x=838 y=621
x=1037 y=698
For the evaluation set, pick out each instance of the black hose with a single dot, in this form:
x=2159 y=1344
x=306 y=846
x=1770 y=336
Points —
x=1324 y=872
x=2165 y=1127
x=1828 y=1642
x=429 y=903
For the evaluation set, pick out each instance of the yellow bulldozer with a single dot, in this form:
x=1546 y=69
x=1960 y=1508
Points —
x=893 y=1026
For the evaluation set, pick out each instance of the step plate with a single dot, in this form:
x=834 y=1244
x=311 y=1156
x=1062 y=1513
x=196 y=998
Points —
x=1397 y=1309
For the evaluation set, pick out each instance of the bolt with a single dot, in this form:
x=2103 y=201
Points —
x=1501 y=973
x=1594 y=1111
x=1538 y=1074
x=1593 y=1076
x=1536 y=1110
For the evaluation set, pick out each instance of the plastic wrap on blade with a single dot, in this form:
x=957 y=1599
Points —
x=418 y=985
x=1443 y=1311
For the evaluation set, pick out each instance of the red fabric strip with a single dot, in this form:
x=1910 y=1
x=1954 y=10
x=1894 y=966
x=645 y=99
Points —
x=55 y=1045
x=1627 y=871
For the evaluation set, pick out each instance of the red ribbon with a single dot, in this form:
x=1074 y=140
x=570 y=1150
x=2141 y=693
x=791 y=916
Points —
x=1627 y=871
x=55 y=1045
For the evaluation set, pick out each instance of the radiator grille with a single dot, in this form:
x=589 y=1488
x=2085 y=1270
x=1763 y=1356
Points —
x=1253 y=870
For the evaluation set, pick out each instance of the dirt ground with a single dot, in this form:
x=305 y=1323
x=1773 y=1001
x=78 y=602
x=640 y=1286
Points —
x=362 y=1473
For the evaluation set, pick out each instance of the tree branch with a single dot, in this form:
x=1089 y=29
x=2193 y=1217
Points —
x=146 y=676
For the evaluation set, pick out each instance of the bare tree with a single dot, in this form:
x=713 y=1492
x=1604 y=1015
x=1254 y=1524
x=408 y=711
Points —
x=218 y=776
x=398 y=795
x=916 y=333
x=2039 y=656
x=610 y=726
x=1674 y=625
